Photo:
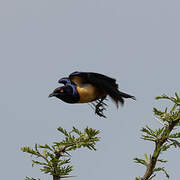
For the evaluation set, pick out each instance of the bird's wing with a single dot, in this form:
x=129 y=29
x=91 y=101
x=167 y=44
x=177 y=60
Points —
x=90 y=77
x=79 y=78
x=102 y=82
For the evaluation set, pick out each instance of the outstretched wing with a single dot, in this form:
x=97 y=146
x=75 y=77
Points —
x=104 y=83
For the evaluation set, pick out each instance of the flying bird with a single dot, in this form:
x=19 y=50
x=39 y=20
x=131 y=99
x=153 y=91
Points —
x=90 y=87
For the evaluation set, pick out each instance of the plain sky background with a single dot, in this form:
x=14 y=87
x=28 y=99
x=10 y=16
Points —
x=135 y=41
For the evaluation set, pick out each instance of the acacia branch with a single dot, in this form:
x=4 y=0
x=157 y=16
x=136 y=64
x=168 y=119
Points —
x=162 y=137
x=56 y=157
x=158 y=144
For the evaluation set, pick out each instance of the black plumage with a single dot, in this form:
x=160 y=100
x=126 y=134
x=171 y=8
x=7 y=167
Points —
x=90 y=87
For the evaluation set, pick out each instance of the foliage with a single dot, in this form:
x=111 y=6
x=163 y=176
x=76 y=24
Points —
x=163 y=138
x=55 y=159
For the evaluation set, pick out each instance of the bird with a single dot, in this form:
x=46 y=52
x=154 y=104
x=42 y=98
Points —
x=90 y=87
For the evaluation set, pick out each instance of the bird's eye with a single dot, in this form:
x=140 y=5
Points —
x=62 y=90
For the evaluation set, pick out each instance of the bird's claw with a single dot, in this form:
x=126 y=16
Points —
x=99 y=108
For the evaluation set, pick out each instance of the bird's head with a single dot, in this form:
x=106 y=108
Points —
x=58 y=92
x=65 y=93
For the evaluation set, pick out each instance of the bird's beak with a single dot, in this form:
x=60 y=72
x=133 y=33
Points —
x=51 y=95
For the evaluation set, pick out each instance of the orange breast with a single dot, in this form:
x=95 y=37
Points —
x=89 y=93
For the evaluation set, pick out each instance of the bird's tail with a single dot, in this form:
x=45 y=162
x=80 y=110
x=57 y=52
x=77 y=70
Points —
x=124 y=95
x=110 y=86
x=117 y=96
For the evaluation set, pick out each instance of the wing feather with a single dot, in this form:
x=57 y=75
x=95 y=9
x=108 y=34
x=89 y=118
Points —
x=104 y=83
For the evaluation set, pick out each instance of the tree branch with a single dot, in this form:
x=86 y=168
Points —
x=158 y=149
x=162 y=137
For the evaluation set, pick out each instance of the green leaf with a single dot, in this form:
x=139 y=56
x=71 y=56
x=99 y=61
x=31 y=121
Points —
x=149 y=131
x=175 y=135
x=148 y=138
x=29 y=150
x=39 y=163
x=157 y=112
x=146 y=158
x=76 y=131
x=165 y=147
x=162 y=97
x=173 y=108
x=91 y=132
x=47 y=170
x=162 y=161
x=177 y=97
x=140 y=161
x=46 y=147
x=161 y=169
x=63 y=131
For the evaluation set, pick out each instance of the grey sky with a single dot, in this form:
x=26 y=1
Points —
x=135 y=41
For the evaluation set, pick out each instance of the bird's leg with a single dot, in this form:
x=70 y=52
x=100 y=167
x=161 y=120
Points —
x=100 y=107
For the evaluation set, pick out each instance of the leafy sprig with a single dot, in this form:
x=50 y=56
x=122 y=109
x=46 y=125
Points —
x=56 y=160
x=163 y=138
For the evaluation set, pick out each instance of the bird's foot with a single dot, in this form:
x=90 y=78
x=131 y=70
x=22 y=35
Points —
x=99 y=107
x=99 y=112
